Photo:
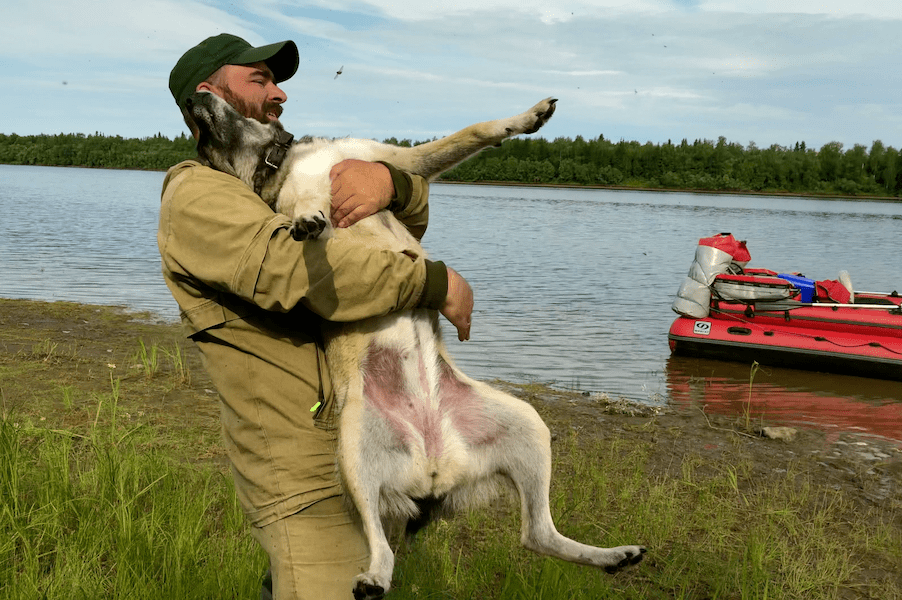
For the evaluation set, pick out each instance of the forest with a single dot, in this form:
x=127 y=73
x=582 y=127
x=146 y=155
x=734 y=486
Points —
x=704 y=165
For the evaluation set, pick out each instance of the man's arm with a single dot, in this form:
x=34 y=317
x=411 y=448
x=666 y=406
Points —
x=360 y=189
x=216 y=231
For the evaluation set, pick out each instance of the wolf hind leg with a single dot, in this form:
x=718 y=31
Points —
x=367 y=462
x=522 y=454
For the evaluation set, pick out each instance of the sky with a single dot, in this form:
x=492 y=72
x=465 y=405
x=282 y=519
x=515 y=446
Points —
x=753 y=71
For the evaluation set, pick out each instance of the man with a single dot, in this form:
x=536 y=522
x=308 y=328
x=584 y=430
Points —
x=252 y=302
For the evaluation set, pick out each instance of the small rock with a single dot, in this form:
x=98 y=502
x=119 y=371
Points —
x=787 y=434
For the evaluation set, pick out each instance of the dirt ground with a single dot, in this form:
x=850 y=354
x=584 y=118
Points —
x=104 y=341
x=868 y=470
x=62 y=365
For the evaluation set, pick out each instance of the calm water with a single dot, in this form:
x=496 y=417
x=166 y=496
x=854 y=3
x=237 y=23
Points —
x=573 y=287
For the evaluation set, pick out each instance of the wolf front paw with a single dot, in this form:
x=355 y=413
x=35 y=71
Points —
x=309 y=227
x=541 y=112
x=533 y=119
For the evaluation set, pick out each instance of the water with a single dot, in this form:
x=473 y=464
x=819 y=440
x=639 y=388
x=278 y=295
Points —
x=573 y=287
x=87 y=235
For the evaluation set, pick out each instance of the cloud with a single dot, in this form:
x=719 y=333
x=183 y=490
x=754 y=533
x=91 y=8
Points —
x=576 y=73
x=551 y=11
x=881 y=9
x=130 y=30
x=758 y=70
x=548 y=12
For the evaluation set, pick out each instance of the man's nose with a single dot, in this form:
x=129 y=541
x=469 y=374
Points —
x=277 y=95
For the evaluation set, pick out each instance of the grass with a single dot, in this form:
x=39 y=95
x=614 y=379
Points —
x=110 y=488
x=718 y=536
x=96 y=514
x=747 y=408
x=148 y=358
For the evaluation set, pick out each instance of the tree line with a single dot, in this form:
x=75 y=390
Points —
x=98 y=150
x=699 y=165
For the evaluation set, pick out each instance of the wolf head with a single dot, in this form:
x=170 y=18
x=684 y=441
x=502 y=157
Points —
x=234 y=144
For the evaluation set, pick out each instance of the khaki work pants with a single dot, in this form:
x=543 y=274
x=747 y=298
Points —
x=316 y=553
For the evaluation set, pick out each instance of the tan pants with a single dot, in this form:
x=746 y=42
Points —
x=316 y=553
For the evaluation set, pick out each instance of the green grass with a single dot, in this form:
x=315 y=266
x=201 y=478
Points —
x=709 y=537
x=110 y=488
x=99 y=516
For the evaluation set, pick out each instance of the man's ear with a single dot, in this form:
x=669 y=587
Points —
x=204 y=86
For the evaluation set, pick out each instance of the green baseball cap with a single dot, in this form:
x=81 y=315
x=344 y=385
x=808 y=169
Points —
x=198 y=63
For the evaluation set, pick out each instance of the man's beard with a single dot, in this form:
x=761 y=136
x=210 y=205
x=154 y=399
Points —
x=251 y=111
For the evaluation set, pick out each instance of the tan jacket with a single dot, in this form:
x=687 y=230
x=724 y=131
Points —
x=252 y=298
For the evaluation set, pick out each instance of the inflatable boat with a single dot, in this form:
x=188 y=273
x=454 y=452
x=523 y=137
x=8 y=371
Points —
x=731 y=312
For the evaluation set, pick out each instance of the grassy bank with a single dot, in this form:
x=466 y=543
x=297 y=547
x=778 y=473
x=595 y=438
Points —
x=113 y=485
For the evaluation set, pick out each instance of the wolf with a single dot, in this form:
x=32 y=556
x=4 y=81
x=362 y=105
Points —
x=417 y=438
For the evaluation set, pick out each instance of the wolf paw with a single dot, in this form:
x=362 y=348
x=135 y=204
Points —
x=541 y=112
x=533 y=119
x=366 y=591
x=308 y=227
x=632 y=555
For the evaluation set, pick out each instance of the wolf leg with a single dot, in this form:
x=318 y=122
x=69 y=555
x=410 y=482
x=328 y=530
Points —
x=522 y=453
x=431 y=159
x=362 y=464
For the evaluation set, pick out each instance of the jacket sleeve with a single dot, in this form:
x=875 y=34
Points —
x=217 y=231
x=411 y=202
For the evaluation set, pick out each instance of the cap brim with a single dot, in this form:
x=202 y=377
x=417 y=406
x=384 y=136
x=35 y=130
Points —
x=281 y=58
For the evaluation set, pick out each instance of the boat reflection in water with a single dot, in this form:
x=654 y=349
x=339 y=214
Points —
x=832 y=403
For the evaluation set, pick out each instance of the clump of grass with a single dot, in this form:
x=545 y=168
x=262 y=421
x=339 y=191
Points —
x=180 y=371
x=98 y=516
x=44 y=350
x=68 y=394
x=148 y=359
x=747 y=408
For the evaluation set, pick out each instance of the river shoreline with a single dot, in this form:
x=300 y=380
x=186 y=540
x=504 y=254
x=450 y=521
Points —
x=113 y=335
x=617 y=188
x=622 y=188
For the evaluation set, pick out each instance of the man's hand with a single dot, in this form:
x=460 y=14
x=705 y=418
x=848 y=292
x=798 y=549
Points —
x=359 y=189
x=458 y=307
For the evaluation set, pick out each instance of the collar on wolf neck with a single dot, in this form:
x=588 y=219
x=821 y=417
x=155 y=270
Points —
x=276 y=153
x=273 y=159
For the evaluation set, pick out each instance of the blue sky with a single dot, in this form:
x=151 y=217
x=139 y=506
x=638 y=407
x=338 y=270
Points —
x=762 y=71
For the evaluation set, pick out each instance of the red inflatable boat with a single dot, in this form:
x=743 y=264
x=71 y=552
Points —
x=729 y=312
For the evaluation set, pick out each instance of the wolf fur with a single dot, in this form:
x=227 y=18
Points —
x=414 y=431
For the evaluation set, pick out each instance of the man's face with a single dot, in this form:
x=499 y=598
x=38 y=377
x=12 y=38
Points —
x=249 y=89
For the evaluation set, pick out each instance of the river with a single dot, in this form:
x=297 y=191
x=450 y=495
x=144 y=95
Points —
x=573 y=286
